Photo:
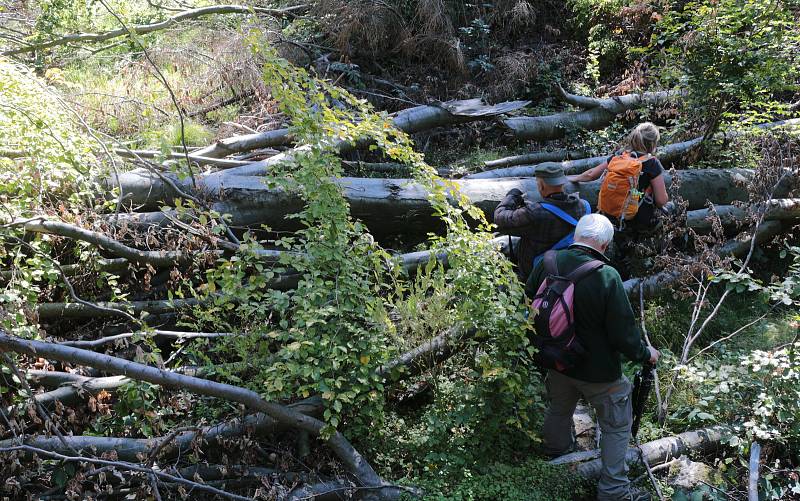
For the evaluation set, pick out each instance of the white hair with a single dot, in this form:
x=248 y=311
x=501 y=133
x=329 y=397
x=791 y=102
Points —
x=594 y=228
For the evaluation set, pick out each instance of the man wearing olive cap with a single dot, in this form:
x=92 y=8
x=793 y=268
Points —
x=542 y=225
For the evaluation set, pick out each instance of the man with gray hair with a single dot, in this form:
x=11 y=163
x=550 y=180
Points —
x=606 y=328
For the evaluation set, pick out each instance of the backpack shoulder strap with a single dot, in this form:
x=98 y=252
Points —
x=558 y=213
x=587 y=207
x=584 y=270
x=550 y=263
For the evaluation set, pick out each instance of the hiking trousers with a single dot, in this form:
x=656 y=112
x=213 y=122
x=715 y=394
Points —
x=612 y=404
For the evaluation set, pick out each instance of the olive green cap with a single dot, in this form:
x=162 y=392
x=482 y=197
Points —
x=551 y=173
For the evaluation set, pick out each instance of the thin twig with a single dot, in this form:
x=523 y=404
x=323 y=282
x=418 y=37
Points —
x=126 y=466
x=649 y=470
x=39 y=408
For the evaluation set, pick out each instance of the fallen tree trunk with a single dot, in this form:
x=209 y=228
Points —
x=411 y=120
x=135 y=449
x=665 y=281
x=51 y=311
x=515 y=166
x=349 y=456
x=655 y=452
x=72 y=392
x=783 y=209
x=200 y=160
x=555 y=126
x=528 y=158
x=392 y=206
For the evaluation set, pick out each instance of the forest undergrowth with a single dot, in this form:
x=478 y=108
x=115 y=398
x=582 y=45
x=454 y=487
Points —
x=459 y=422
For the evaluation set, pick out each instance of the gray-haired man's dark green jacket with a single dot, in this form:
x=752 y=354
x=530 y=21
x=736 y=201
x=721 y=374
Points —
x=604 y=320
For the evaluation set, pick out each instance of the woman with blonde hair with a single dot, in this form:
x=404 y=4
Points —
x=633 y=187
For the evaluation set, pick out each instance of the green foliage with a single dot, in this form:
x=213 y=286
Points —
x=44 y=156
x=605 y=43
x=758 y=393
x=46 y=165
x=330 y=335
x=731 y=55
x=529 y=480
x=442 y=447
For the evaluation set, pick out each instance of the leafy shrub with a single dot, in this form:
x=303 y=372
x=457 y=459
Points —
x=44 y=156
x=331 y=334
x=731 y=55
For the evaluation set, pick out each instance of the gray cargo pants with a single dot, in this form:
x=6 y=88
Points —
x=612 y=403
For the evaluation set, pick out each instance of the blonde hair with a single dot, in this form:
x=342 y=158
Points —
x=644 y=138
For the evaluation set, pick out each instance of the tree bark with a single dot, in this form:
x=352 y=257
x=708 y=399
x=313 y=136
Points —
x=130 y=449
x=755 y=460
x=657 y=451
x=52 y=311
x=527 y=159
x=349 y=456
x=72 y=392
x=411 y=121
x=603 y=113
x=392 y=206
x=516 y=166
x=784 y=209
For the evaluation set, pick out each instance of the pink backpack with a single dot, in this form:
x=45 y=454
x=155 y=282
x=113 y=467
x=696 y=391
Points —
x=555 y=338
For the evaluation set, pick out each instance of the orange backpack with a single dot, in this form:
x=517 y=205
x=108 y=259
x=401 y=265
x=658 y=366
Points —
x=619 y=191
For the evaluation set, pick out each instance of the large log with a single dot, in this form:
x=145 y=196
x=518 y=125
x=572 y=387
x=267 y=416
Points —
x=603 y=113
x=664 y=282
x=392 y=206
x=532 y=159
x=411 y=120
x=525 y=165
x=655 y=452
x=783 y=209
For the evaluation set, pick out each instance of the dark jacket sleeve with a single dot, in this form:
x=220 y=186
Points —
x=513 y=214
x=623 y=333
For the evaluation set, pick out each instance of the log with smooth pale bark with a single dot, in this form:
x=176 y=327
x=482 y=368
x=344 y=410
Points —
x=411 y=120
x=525 y=165
x=401 y=206
x=783 y=209
x=549 y=127
x=528 y=159
x=656 y=452
x=53 y=311
x=352 y=460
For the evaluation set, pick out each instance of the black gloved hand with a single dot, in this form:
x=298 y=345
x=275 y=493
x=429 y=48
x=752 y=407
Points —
x=515 y=192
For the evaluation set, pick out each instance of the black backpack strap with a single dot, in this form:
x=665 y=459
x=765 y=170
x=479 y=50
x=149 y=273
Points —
x=584 y=270
x=550 y=263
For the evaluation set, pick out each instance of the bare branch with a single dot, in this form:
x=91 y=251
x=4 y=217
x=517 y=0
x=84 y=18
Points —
x=349 y=456
x=143 y=29
x=125 y=466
